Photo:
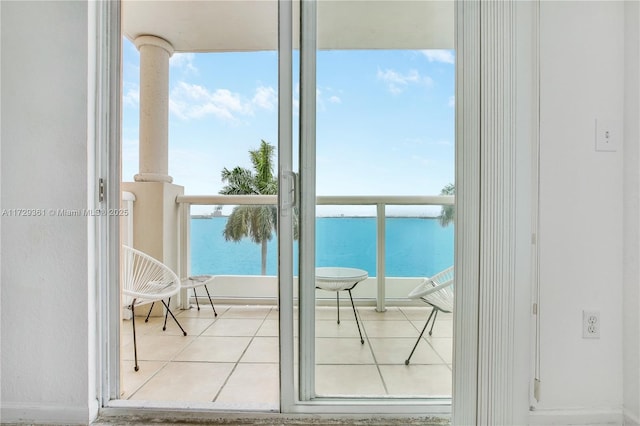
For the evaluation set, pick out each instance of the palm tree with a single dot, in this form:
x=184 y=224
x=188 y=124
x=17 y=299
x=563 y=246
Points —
x=255 y=222
x=448 y=211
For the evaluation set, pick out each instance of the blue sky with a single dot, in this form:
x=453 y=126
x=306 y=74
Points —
x=385 y=119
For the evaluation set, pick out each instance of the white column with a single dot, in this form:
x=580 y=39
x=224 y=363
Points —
x=154 y=109
x=495 y=107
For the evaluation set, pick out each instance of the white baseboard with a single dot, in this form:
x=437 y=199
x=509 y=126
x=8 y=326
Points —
x=45 y=414
x=631 y=419
x=580 y=417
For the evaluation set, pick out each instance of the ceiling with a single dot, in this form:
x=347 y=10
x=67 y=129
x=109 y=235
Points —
x=250 y=25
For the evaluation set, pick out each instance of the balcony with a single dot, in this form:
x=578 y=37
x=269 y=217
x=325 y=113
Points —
x=232 y=360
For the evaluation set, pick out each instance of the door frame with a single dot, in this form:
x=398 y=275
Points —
x=494 y=133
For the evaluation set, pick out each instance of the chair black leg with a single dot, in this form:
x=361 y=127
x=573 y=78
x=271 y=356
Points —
x=173 y=316
x=356 y=315
x=166 y=314
x=149 y=314
x=133 y=324
x=406 y=362
x=195 y=296
x=338 y=304
x=434 y=321
x=210 y=300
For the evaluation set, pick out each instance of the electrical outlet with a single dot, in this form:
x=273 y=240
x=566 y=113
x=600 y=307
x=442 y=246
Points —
x=591 y=324
x=607 y=135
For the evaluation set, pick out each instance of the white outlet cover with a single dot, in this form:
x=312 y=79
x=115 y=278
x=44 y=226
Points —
x=608 y=135
x=591 y=324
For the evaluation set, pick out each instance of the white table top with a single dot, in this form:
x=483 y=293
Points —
x=341 y=274
x=196 y=281
x=337 y=279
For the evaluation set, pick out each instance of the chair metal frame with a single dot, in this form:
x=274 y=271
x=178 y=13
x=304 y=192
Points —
x=147 y=280
x=437 y=292
x=187 y=283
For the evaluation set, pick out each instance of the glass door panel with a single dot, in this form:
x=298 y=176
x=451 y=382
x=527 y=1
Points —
x=376 y=149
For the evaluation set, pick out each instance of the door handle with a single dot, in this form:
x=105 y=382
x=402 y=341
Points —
x=289 y=198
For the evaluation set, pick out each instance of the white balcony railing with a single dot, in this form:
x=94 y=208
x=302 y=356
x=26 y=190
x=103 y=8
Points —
x=380 y=202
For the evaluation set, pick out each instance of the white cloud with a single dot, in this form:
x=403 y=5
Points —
x=184 y=61
x=397 y=82
x=189 y=101
x=265 y=97
x=423 y=161
x=335 y=100
x=452 y=101
x=131 y=97
x=438 y=55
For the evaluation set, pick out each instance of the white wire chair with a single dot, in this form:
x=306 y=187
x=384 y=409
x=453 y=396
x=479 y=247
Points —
x=197 y=281
x=193 y=282
x=436 y=291
x=146 y=280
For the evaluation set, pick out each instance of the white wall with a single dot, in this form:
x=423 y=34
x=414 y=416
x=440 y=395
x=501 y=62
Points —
x=45 y=368
x=631 y=216
x=581 y=199
x=44 y=274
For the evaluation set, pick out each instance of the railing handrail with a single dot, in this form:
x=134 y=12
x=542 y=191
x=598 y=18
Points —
x=341 y=200
x=380 y=201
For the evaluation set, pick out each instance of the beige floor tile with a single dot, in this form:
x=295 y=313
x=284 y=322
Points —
x=329 y=328
x=445 y=316
x=205 y=311
x=397 y=349
x=253 y=312
x=331 y=350
x=417 y=380
x=443 y=346
x=344 y=366
x=157 y=348
x=354 y=380
x=131 y=380
x=126 y=333
x=154 y=325
x=331 y=313
x=262 y=349
x=270 y=327
x=214 y=349
x=233 y=327
x=391 y=314
x=193 y=326
x=416 y=313
x=441 y=328
x=390 y=329
x=185 y=381
x=252 y=384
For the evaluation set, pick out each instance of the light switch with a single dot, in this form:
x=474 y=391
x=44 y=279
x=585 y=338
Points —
x=607 y=135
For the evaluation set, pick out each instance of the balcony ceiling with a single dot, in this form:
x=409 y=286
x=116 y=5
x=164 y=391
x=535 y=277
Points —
x=240 y=25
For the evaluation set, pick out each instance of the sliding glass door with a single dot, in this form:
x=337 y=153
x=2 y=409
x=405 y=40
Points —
x=366 y=154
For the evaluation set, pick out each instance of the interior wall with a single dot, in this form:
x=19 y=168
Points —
x=43 y=165
x=44 y=272
x=581 y=200
x=631 y=216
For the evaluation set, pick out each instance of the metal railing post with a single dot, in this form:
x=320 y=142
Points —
x=184 y=267
x=380 y=259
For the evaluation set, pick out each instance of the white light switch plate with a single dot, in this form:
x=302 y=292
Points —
x=608 y=135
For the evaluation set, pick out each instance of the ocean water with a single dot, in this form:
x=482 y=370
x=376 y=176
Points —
x=415 y=247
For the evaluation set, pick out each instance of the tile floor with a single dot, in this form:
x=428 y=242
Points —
x=233 y=359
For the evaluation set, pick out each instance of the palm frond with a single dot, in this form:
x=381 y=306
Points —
x=447 y=214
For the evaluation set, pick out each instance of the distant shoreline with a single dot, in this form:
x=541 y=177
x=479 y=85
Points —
x=210 y=216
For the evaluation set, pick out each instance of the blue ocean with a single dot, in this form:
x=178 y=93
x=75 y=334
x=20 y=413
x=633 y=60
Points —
x=415 y=247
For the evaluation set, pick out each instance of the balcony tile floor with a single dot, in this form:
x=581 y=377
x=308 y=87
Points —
x=233 y=359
